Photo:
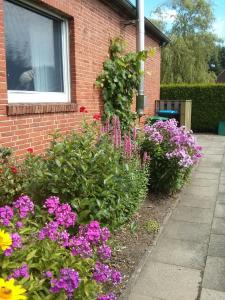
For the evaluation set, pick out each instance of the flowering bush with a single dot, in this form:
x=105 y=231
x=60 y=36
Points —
x=12 y=176
x=98 y=172
x=173 y=151
x=40 y=255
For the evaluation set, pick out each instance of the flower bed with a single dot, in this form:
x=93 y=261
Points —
x=46 y=255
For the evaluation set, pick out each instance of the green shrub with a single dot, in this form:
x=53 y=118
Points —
x=87 y=171
x=208 y=103
x=12 y=177
x=172 y=151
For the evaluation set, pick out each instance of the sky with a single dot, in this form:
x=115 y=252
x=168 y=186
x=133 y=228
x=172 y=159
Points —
x=218 y=9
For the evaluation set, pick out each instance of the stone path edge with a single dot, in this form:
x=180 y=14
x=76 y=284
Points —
x=132 y=280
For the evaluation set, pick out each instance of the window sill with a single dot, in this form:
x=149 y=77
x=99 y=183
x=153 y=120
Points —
x=36 y=108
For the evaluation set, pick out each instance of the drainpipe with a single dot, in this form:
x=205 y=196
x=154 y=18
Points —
x=140 y=47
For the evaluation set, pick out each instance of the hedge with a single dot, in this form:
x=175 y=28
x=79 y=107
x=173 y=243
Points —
x=208 y=103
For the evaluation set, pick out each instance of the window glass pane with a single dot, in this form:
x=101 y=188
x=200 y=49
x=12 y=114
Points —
x=33 y=50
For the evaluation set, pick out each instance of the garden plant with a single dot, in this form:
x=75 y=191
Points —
x=173 y=152
x=46 y=255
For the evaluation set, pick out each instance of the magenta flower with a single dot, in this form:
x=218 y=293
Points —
x=104 y=252
x=6 y=215
x=116 y=277
x=22 y=272
x=16 y=243
x=68 y=281
x=64 y=216
x=110 y=296
x=24 y=206
x=102 y=273
x=52 y=204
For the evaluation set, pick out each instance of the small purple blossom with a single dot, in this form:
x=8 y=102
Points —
x=102 y=273
x=110 y=296
x=64 y=215
x=104 y=252
x=116 y=277
x=24 y=206
x=105 y=234
x=48 y=274
x=80 y=246
x=49 y=231
x=93 y=233
x=52 y=204
x=68 y=281
x=19 y=224
x=6 y=215
x=22 y=272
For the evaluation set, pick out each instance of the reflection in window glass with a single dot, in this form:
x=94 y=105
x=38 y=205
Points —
x=33 y=50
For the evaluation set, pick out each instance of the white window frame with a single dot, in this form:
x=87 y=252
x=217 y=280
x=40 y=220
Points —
x=33 y=97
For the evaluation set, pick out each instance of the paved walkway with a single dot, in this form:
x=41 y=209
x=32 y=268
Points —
x=188 y=262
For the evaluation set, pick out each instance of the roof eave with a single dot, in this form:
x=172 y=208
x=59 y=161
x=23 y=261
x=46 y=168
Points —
x=124 y=7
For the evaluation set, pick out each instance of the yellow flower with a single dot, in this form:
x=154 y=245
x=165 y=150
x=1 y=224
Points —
x=5 y=240
x=9 y=291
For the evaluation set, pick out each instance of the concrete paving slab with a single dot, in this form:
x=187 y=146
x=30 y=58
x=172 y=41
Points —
x=214 y=274
x=187 y=231
x=215 y=158
x=208 y=170
x=221 y=198
x=210 y=164
x=218 y=226
x=214 y=151
x=201 y=190
x=167 y=282
x=220 y=211
x=211 y=295
x=203 y=182
x=221 y=188
x=193 y=214
x=183 y=253
x=139 y=297
x=217 y=245
x=204 y=175
x=201 y=202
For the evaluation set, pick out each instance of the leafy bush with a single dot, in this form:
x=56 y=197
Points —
x=46 y=260
x=12 y=177
x=119 y=82
x=93 y=173
x=208 y=103
x=172 y=151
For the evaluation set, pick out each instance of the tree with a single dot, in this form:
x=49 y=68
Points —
x=193 y=45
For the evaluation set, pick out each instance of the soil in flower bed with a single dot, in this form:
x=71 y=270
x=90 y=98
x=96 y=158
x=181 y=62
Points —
x=131 y=241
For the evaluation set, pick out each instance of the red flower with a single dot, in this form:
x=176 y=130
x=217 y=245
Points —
x=14 y=169
x=83 y=109
x=30 y=150
x=97 y=116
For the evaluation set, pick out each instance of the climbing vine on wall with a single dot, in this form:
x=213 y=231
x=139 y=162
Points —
x=119 y=81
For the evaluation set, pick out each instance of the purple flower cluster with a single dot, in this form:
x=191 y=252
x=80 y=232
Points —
x=153 y=134
x=64 y=216
x=103 y=273
x=16 y=243
x=179 y=142
x=22 y=272
x=80 y=246
x=110 y=296
x=104 y=252
x=68 y=281
x=6 y=215
x=24 y=205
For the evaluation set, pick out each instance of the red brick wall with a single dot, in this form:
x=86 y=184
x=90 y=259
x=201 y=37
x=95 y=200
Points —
x=92 y=24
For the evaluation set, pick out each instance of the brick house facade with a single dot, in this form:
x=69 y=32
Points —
x=91 y=25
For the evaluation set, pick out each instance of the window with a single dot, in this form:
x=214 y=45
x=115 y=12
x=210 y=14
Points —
x=37 y=57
